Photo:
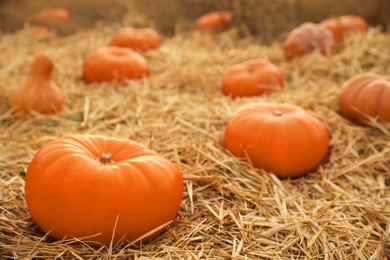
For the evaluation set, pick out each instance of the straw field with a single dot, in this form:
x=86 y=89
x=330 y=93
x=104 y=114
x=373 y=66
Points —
x=229 y=210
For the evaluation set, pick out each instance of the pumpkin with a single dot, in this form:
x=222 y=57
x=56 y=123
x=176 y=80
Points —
x=306 y=38
x=214 y=21
x=343 y=25
x=106 y=188
x=53 y=14
x=252 y=77
x=111 y=63
x=280 y=138
x=38 y=92
x=365 y=96
x=142 y=39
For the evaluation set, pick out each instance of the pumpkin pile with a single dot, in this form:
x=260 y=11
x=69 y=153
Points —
x=322 y=37
x=87 y=188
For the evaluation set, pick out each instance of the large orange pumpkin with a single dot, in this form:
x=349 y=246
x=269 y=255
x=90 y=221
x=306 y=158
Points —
x=142 y=39
x=341 y=26
x=84 y=185
x=365 y=96
x=252 y=77
x=111 y=63
x=280 y=138
x=38 y=92
x=306 y=38
x=214 y=21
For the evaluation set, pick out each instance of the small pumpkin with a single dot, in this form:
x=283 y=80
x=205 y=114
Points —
x=341 y=26
x=214 y=21
x=280 y=138
x=251 y=78
x=365 y=96
x=106 y=188
x=38 y=92
x=306 y=38
x=142 y=39
x=53 y=14
x=111 y=63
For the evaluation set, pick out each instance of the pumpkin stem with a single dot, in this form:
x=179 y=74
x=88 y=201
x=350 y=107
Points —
x=106 y=158
x=277 y=112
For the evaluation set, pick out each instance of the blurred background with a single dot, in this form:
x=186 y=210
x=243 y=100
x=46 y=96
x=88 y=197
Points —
x=267 y=17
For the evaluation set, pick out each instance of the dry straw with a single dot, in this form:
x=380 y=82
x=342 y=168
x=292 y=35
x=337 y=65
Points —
x=229 y=210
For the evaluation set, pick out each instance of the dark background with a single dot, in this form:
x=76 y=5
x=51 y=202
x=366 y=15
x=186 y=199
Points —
x=266 y=17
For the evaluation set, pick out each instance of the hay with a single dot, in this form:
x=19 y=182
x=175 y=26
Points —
x=229 y=209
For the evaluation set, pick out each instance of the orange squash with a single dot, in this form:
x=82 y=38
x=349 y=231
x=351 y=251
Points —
x=53 y=14
x=343 y=25
x=106 y=188
x=142 y=39
x=214 y=21
x=251 y=78
x=365 y=96
x=280 y=138
x=306 y=38
x=111 y=63
x=38 y=92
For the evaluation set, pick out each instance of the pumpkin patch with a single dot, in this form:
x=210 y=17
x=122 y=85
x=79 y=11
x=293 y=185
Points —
x=281 y=174
x=106 y=188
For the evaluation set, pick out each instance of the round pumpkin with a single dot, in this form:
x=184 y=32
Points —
x=280 y=138
x=365 y=96
x=38 y=92
x=306 y=38
x=214 y=21
x=111 y=63
x=341 y=26
x=252 y=78
x=106 y=188
x=142 y=39
x=53 y=14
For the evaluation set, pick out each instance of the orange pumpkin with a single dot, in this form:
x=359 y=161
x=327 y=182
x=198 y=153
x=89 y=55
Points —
x=53 y=14
x=343 y=25
x=214 y=21
x=38 y=92
x=365 y=96
x=306 y=38
x=142 y=39
x=280 y=138
x=111 y=63
x=107 y=188
x=251 y=78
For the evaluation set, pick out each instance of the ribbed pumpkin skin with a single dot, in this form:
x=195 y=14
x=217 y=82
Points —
x=70 y=193
x=106 y=64
x=252 y=78
x=343 y=25
x=364 y=96
x=289 y=145
x=306 y=38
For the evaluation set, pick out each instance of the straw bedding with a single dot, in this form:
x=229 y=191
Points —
x=229 y=210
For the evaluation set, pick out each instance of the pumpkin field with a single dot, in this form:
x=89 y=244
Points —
x=229 y=179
